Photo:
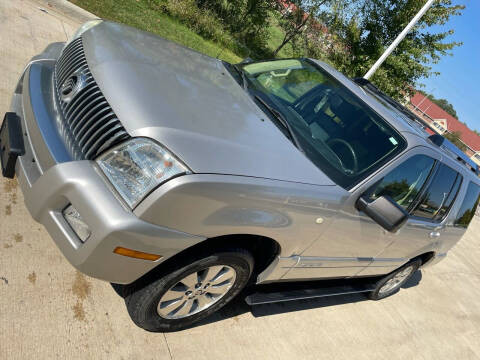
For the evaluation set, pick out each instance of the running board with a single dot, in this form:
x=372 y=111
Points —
x=266 y=297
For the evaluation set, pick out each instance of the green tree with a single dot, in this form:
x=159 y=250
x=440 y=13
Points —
x=445 y=105
x=455 y=137
x=246 y=20
x=301 y=15
x=368 y=27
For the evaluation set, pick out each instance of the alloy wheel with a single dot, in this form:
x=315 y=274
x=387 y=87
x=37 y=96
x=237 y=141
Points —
x=196 y=292
x=397 y=280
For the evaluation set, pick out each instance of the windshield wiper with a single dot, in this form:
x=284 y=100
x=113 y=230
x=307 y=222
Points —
x=277 y=114
x=242 y=74
x=281 y=118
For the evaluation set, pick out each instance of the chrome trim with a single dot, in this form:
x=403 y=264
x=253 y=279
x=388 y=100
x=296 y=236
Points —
x=89 y=125
x=326 y=262
x=73 y=85
x=389 y=260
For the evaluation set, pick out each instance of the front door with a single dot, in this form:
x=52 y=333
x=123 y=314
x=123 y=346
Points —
x=354 y=241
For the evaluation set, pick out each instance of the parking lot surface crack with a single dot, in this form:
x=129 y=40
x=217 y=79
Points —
x=168 y=346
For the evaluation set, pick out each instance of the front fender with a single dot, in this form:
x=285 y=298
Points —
x=216 y=205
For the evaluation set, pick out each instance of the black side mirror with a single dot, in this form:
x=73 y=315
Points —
x=384 y=211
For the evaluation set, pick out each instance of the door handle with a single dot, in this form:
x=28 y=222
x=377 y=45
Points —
x=434 y=234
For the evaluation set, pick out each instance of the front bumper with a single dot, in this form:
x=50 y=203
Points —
x=51 y=180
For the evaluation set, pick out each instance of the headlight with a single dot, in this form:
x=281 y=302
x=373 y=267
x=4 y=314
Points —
x=86 y=26
x=138 y=166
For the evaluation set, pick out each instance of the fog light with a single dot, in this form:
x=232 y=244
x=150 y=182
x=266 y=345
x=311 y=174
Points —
x=75 y=220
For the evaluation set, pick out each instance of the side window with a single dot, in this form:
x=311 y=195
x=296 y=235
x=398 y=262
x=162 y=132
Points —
x=450 y=199
x=440 y=194
x=404 y=182
x=469 y=205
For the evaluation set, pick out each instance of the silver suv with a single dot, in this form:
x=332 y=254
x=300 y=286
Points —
x=181 y=178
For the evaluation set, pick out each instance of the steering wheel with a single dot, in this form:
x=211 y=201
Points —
x=350 y=149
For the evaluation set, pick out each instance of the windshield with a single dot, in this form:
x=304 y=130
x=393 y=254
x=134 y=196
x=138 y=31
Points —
x=403 y=114
x=342 y=135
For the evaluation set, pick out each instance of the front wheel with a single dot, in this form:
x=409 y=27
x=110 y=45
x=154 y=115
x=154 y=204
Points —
x=191 y=292
x=391 y=283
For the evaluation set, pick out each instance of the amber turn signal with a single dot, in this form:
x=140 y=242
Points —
x=136 y=254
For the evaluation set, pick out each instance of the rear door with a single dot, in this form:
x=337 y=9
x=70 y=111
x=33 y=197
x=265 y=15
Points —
x=460 y=215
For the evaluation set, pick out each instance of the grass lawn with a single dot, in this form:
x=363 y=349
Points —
x=276 y=38
x=145 y=15
x=142 y=15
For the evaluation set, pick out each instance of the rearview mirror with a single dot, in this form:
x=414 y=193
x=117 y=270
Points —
x=384 y=211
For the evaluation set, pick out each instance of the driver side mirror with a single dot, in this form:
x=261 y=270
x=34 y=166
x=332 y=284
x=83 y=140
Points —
x=384 y=211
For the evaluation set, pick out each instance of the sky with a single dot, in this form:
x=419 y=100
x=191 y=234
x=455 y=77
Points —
x=459 y=79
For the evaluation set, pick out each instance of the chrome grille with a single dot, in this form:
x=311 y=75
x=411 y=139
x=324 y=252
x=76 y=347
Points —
x=89 y=125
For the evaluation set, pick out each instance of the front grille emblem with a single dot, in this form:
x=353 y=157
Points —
x=73 y=85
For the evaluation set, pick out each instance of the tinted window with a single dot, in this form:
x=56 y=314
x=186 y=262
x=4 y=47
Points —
x=404 y=182
x=437 y=195
x=469 y=205
x=450 y=199
x=338 y=132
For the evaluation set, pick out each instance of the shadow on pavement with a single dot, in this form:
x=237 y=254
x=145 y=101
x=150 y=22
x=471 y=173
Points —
x=238 y=306
x=414 y=280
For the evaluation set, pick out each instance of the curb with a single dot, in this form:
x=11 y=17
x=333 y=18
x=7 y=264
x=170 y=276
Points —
x=66 y=8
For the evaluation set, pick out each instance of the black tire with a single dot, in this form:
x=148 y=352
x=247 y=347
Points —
x=142 y=300
x=377 y=294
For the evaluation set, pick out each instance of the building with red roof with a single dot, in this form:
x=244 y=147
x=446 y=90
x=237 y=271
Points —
x=287 y=6
x=443 y=122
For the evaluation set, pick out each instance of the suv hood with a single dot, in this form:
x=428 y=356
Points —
x=191 y=104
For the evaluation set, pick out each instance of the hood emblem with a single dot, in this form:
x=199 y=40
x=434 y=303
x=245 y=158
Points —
x=73 y=85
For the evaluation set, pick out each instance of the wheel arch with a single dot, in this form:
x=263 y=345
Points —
x=263 y=249
x=425 y=257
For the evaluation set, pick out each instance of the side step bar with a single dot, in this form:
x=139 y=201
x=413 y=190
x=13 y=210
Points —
x=265 y=296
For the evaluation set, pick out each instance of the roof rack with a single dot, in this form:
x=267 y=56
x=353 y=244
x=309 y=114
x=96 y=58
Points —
x=368 y=85
x=363 y=82
x=454 y=151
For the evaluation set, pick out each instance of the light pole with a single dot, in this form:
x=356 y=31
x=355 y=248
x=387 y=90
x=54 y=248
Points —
x=399 y=38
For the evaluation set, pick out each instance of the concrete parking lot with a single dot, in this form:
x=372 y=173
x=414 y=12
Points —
x=50 y=311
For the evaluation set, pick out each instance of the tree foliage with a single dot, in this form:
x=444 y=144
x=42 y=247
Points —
x=350 y=34
x=246 y=20
x=445 y=105
x=298 y=16
x=368 y=27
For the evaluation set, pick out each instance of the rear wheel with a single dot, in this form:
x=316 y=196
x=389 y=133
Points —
x=391 y=283
x=190 y=292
